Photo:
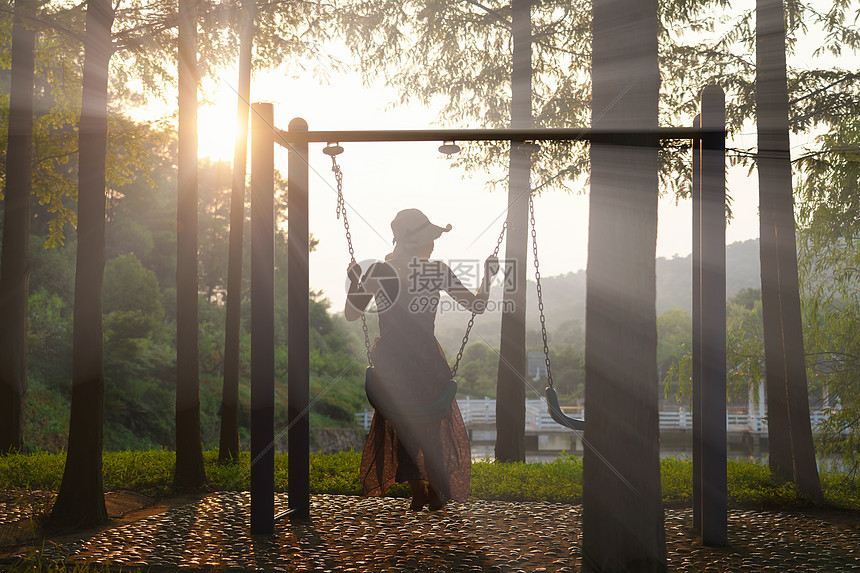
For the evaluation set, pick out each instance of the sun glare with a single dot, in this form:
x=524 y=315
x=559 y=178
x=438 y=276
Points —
x=319 y=104
x=216 y=119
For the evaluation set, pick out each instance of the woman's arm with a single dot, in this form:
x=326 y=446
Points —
x=357 y=298
x=474 y=302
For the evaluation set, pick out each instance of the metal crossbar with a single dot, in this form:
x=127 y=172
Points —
x=286 y=137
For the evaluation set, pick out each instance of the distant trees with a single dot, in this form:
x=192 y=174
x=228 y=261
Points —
x=139 y=321
x=674 y=333
x=15 y=257
x=477 y=372
x=829 y=253
x=831 y=308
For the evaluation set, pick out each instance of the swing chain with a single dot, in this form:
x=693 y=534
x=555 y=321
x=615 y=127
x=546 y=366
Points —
x=463 y=344
x=341 y=209
x=499 y=240
x=539 y=291
x=472 y=318
x=341 y=206
x=366 y=339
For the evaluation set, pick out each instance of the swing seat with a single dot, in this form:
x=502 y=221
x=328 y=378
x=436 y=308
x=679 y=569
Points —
x=408 y=413
x=557 y=415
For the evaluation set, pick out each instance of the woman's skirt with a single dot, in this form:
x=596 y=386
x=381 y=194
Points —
x=438 y=452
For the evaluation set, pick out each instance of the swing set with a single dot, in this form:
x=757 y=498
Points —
x=441 y=406
x=709 y=448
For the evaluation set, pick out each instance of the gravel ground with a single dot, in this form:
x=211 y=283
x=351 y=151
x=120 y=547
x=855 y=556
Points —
x=346 y=533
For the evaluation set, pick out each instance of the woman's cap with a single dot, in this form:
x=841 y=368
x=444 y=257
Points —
x=412 y=226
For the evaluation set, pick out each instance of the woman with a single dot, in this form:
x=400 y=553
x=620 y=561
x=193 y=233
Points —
x=434 y=457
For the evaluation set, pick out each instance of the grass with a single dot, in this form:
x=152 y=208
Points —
x=559 y=480
x=151 y=473
x=35 y=562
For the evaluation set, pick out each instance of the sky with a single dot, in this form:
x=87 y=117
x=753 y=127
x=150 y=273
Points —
x=382 y=178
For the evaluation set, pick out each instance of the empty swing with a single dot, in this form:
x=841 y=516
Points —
x=555 y=411
x=390 y=407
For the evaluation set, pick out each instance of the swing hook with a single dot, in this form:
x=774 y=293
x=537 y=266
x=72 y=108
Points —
x=449 y=148
x=332 y=149
x=528 y=147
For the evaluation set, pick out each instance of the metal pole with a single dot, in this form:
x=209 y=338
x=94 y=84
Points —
x=262 y=320
x=713 y=316
x=298 y=327
x=697 y=330
x=607 y=136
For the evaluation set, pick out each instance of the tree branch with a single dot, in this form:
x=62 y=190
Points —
x=812 y=154
x=492 y=12
x=50 y=157
x=825 y=88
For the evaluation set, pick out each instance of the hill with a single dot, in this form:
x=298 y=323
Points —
x=564 y=299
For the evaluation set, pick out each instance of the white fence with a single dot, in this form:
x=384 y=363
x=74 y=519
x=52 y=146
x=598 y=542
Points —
x=482 y=411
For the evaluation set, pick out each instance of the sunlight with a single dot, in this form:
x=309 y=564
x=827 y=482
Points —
x=216 y=117
x=319 y=103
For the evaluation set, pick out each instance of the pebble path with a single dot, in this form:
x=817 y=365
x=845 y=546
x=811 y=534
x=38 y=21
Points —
x=354 y=534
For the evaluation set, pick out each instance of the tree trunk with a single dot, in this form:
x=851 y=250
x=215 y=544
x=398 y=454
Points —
x=229 y=444
x=622 y=507
x=15 y=258
x=80 y=501
x=791 y=449
x=510 y=385
x=189 y=451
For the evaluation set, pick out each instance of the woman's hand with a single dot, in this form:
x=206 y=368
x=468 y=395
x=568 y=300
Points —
x=357 y=298
x=353 y=272
x=491 y=266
